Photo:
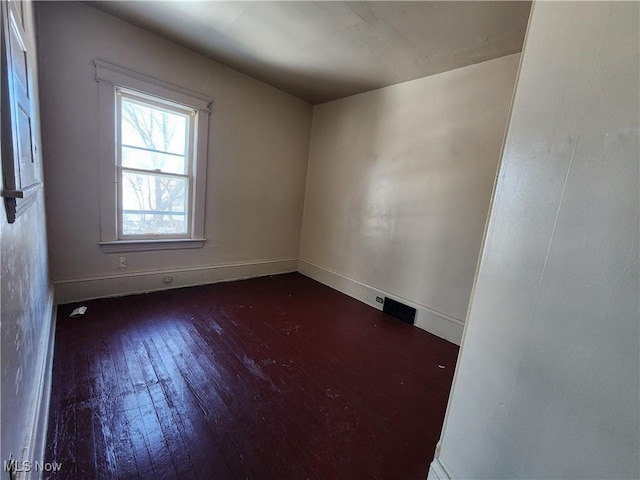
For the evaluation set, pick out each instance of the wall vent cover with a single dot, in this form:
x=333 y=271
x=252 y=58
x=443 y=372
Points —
x=399 y=310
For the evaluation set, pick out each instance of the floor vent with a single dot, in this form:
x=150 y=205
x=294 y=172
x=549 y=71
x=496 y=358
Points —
x=399 y=310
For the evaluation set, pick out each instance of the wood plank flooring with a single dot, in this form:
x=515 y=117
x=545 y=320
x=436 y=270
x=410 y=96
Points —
x=271 y=378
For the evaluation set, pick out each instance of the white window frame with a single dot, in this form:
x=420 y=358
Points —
x=112 y=79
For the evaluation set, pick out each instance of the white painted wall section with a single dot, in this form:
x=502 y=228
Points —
x=547 y=384
x=398 y=189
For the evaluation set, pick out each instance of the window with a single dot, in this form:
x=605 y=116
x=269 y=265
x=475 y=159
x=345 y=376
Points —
x=154 y=167
x=154 y=147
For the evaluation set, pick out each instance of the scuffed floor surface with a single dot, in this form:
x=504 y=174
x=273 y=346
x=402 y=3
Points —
x=271 y=378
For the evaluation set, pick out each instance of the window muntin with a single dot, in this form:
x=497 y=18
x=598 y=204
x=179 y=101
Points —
x=155 y=167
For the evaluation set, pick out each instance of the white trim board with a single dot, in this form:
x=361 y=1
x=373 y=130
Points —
x=437 y=471
x=80 y=289
x=36 y=437
x=437 y=323
x=112 y=74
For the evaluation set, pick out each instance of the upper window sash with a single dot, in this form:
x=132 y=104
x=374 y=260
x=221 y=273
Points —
x=145 y=100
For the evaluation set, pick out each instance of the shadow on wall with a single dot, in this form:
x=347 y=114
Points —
x=400 y=180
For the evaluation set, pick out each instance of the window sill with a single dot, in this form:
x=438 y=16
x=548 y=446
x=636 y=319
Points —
x=151 y=245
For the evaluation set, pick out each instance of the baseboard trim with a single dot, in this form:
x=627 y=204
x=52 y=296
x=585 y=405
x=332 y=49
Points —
x=88 y=288
x=35 y=442
x=438 y=323
x=437 y=471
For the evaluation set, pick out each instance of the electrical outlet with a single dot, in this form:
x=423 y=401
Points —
x=379 y=300
x=122 y=262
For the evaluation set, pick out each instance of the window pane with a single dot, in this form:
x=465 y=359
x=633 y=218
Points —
x=153 y=128
x=146 y=160
x=154 y=204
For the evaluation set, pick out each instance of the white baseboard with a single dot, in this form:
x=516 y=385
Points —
x=437 y=471
x=440 y=324
x=35 y=442
x=80 y=289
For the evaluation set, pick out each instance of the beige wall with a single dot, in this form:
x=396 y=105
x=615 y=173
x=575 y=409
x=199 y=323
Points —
x=26 y=305
x=547 y=384
x=258 y=148
x=398 y=189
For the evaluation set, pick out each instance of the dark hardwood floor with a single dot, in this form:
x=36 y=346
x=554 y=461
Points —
x=270 y=378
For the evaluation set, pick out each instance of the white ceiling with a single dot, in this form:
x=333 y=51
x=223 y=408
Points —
x=321 y=51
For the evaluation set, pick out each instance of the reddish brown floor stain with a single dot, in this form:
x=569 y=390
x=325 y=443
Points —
x=272 y=378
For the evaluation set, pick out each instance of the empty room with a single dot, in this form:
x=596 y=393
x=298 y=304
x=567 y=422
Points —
x=320 y=239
